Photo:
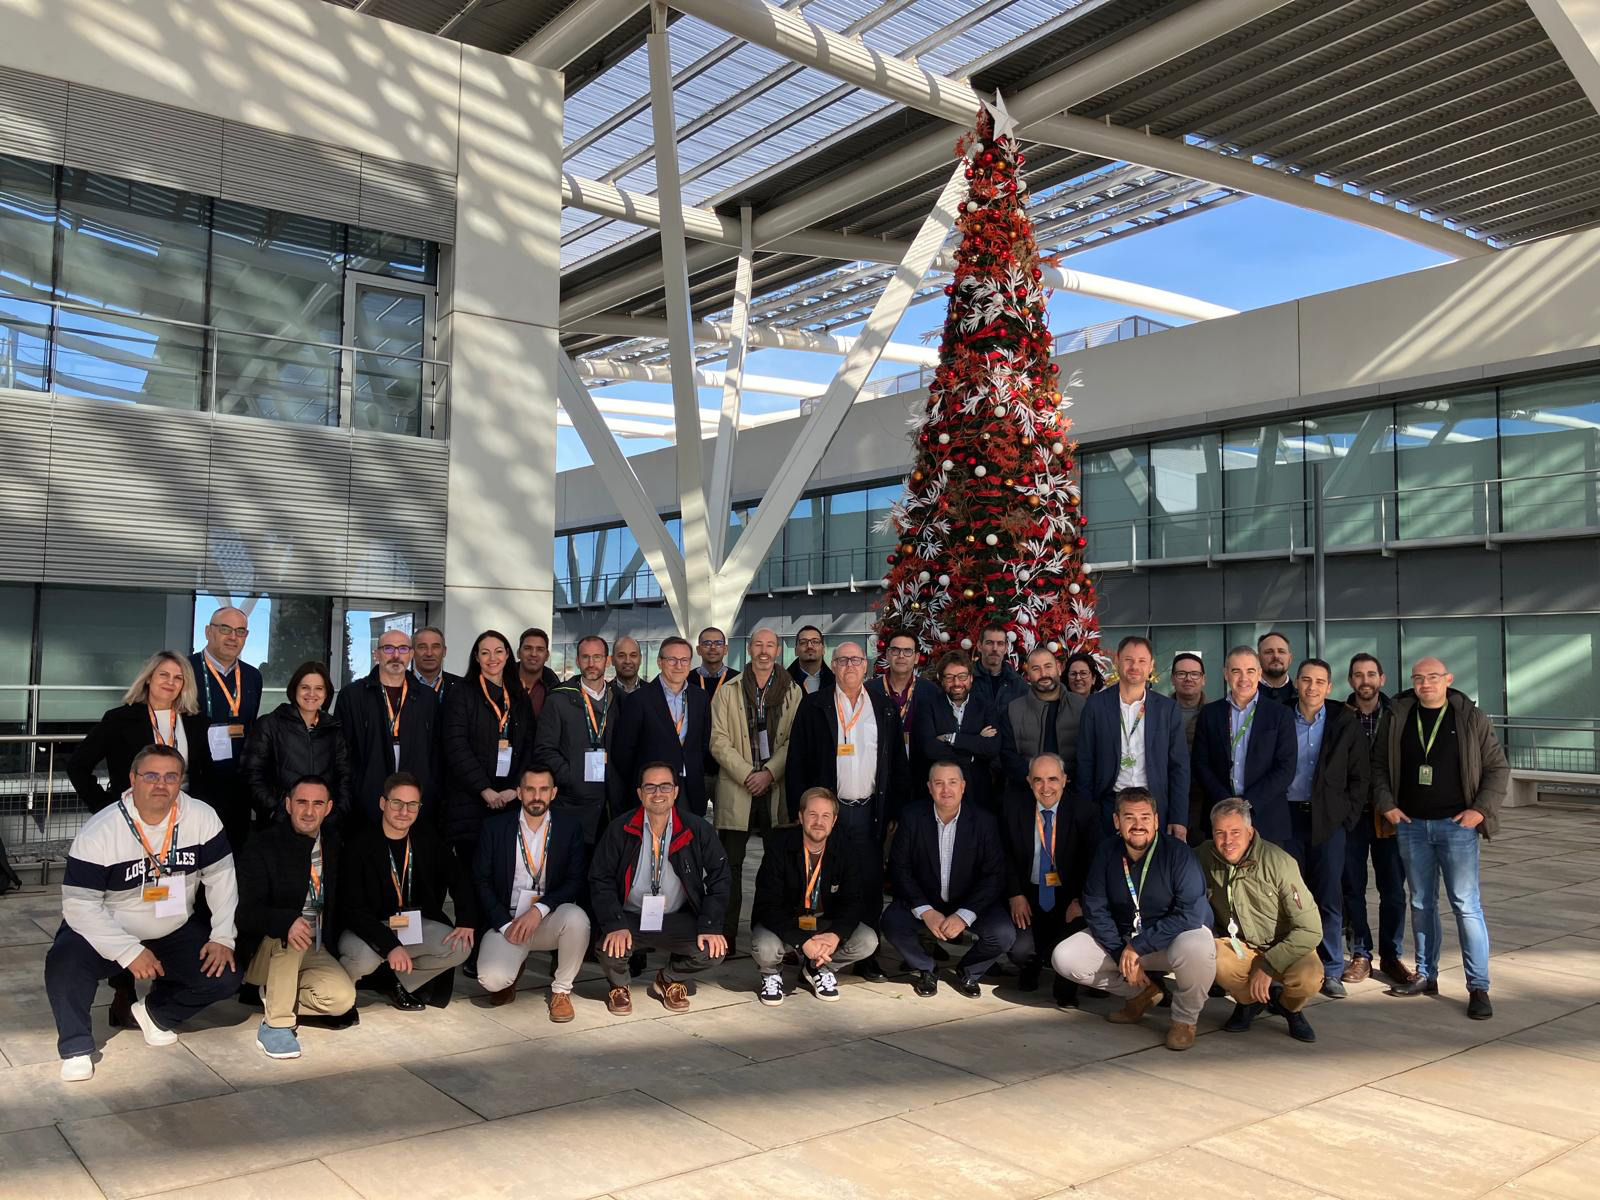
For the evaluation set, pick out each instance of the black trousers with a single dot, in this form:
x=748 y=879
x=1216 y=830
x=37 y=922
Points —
x=865 y=838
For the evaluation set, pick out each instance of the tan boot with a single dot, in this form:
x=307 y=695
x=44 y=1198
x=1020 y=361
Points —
x=1130 y=1012
x=1180 y=1036
x=560 y=1005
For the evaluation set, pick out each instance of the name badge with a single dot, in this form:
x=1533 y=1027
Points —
x=502 y=760
x=763 y=746
x=1052 y=879
x=807 y=921
x=173 y=904
x=652 y=912
x=396 y=749
x=407 y=926
x=153 y=894
x=594 y=766
x=1425 y=775
x=521 y=902
x=846 y=750
x=219 y=740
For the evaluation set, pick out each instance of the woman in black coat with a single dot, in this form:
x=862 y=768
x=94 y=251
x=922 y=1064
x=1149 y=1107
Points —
x=298 y=738
x=488 y=739
x=162 y=707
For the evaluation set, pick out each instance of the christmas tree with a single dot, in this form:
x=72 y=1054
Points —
x=989 y=527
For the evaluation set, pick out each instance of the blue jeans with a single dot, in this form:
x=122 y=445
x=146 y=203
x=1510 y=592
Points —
x=1389 y=873
x=1429 y=849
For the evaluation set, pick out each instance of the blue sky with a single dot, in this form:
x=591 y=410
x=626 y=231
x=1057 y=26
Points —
x=1245 y=255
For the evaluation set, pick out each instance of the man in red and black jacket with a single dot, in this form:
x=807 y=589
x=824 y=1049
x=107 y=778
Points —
x=659 y=880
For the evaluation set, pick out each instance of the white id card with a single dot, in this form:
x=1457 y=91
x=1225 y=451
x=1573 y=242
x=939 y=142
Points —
x=173 y=905
x=502 y=762
x=594 y=766
x=396 y=756
x=220 y=742
x=652 y=911
x=763 y=747
x=411 y=933
x=521 y=901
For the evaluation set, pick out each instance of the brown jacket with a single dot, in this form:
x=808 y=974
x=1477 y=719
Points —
x=1485 y=774
x=730 y=746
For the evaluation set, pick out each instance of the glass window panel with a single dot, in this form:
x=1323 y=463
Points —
x=1116 y=499
x=1263 y=487
x=285 y=631
x=93 y=642
x=845 y=532
x=880 y=541
x=1382 y=638
x=1442 y=447
x=131 y=251
x=1550 y=430
x=800 y=546
x=1469 y=647
x=1357 y=453
x=1204 y=640
x=583 y=567
x=275 y=275
x=630 y=566
x=393 y=254
x=1186 y=477
x=16 y=655
x=27 y=251
x=367 y=621
x=390 y=331
x=1553 y=679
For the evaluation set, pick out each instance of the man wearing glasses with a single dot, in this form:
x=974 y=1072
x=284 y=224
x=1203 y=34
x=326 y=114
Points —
x=959 y=728
x=900 y=684
x=1189 y=690
x=712 y=673
x=808 y=669
x=391 y=722
x=1439 y=777
x=659 y=881
x=666 y=720
x=230 y=699
x=128 y=898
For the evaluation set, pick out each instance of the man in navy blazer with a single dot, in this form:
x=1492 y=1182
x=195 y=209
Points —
x=947 y=866
x=529 y=871
x=959 y=728
x=1131 y=736
x=1244 y=746
x=667 y=721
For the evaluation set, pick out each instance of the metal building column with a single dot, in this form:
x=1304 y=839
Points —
x=719 y=500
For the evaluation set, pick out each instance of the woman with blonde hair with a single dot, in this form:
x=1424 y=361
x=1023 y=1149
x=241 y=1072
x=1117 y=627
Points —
x=161 y=707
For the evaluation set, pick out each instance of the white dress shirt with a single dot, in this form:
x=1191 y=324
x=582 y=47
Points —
x=947 y=854
x=1130 y=742
x=521 y=877
x=857 y=774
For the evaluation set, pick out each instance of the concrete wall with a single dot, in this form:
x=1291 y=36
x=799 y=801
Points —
x=1526 y=308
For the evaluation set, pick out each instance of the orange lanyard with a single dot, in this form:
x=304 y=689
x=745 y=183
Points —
x=845 y=727
x=236 y=697
x=813 y=876
x=596 y=724
x=394 y=715
x=1048 y=849
x=155 y=726
x=159 y=865
x=535 y=868
x=399 y=895
x=501 y=717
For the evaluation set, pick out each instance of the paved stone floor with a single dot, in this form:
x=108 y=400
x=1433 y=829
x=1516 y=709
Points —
x=882 y=1094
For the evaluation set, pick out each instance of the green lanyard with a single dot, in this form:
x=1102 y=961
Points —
x=1134 y=893
x=1128 y=758
x=1427 y=743
x=1233 y=746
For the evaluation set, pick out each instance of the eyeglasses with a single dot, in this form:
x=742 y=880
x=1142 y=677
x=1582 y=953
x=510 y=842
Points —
x=681 y=661
x=852 y=660
x=1427 y=679
x=404 y=805
x=712 y=643
x=657 y=789
x=232 y=630
x=392 y=651
x=958 y=677
x=1188 y=674
x=808 y=643
x=901 y=651
x=155 y=777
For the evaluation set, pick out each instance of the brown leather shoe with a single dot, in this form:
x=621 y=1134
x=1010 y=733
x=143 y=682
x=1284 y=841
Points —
x=1180 y=1036
x=560 y=1005
x=1397 y=971
x=673 y=995
x=1357 y=969
x=504 y=996
x=618 y=1002
x=1135 y=1008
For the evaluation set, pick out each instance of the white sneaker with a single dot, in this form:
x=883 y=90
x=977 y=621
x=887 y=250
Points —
x=770 y=992
x=77 y=1068
x=822 y=983
x=154 y=1035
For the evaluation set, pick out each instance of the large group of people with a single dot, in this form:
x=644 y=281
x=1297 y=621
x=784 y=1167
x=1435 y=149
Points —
x=1162 y=849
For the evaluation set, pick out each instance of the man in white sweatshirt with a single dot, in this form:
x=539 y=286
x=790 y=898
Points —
x=128 y=901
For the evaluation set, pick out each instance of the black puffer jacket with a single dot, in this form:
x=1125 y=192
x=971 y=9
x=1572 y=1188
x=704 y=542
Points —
x=281 y=749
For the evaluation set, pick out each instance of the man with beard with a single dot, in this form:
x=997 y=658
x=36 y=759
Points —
x=1131 y=736
x=1043 y=721
x=391 y=723
x=958 y=728
x=1273 y=650
x=574 y=738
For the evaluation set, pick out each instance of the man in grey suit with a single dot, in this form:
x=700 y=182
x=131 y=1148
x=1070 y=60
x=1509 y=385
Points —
x=1044 y=721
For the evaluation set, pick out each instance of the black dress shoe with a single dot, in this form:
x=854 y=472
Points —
x=1028 y=978
x=1066 y=993
x=869 y=970
x=1300 y=1028
x=1420 y=985
x=403 y=999
x=1243 y=1015
x=1478 y=1006
x=968 y=985
x=927 y=983
x=337 y=1021
x=438 y=991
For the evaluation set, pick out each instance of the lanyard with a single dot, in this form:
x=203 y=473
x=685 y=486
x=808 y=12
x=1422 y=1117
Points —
x=658 y=855
x=847 y=727
x=401 y=895
x=1049 y=848
x=394 y=715
x=596 y=725
x=155 y=726
x=902 y=700
x=1244 y=728
x=437 y=685
x=535 y=867
x=813 y=876
x=1127 y=734
x=700 y=678
x=234 y=699
x=678 y=720
x=1127 y=878
x=1233 y=917
x=158 y=866
x=501 y=717
x=1427 y=743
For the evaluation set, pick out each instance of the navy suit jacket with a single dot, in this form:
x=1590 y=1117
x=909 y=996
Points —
x=976 y=754
x=1269 y=762
x=1166 y=754
x=977 y=868
x=494 y=864
x=645 y=733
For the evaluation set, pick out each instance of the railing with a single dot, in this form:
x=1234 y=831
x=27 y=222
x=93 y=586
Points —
x=339 y=384
x=1560 y=744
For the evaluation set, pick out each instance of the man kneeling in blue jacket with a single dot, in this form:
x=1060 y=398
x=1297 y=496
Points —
x=1145 y=905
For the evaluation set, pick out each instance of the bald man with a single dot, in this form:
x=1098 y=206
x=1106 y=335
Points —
x=627 y=658
x=1439 y=776
x=230 y=698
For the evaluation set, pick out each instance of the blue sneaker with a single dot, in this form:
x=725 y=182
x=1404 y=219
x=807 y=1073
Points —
x=277 y=1043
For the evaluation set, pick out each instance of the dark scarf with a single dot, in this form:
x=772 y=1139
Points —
x=774 y=697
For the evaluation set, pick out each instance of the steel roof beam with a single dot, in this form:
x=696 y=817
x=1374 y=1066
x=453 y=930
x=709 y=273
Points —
x=758 y=337
x=574 y=30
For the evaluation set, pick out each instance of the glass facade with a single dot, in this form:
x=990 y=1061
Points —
x=130 y=292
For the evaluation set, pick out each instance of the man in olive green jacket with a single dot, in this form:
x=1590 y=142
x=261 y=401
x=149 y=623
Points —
x=1265 y=919
x=750 y=721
